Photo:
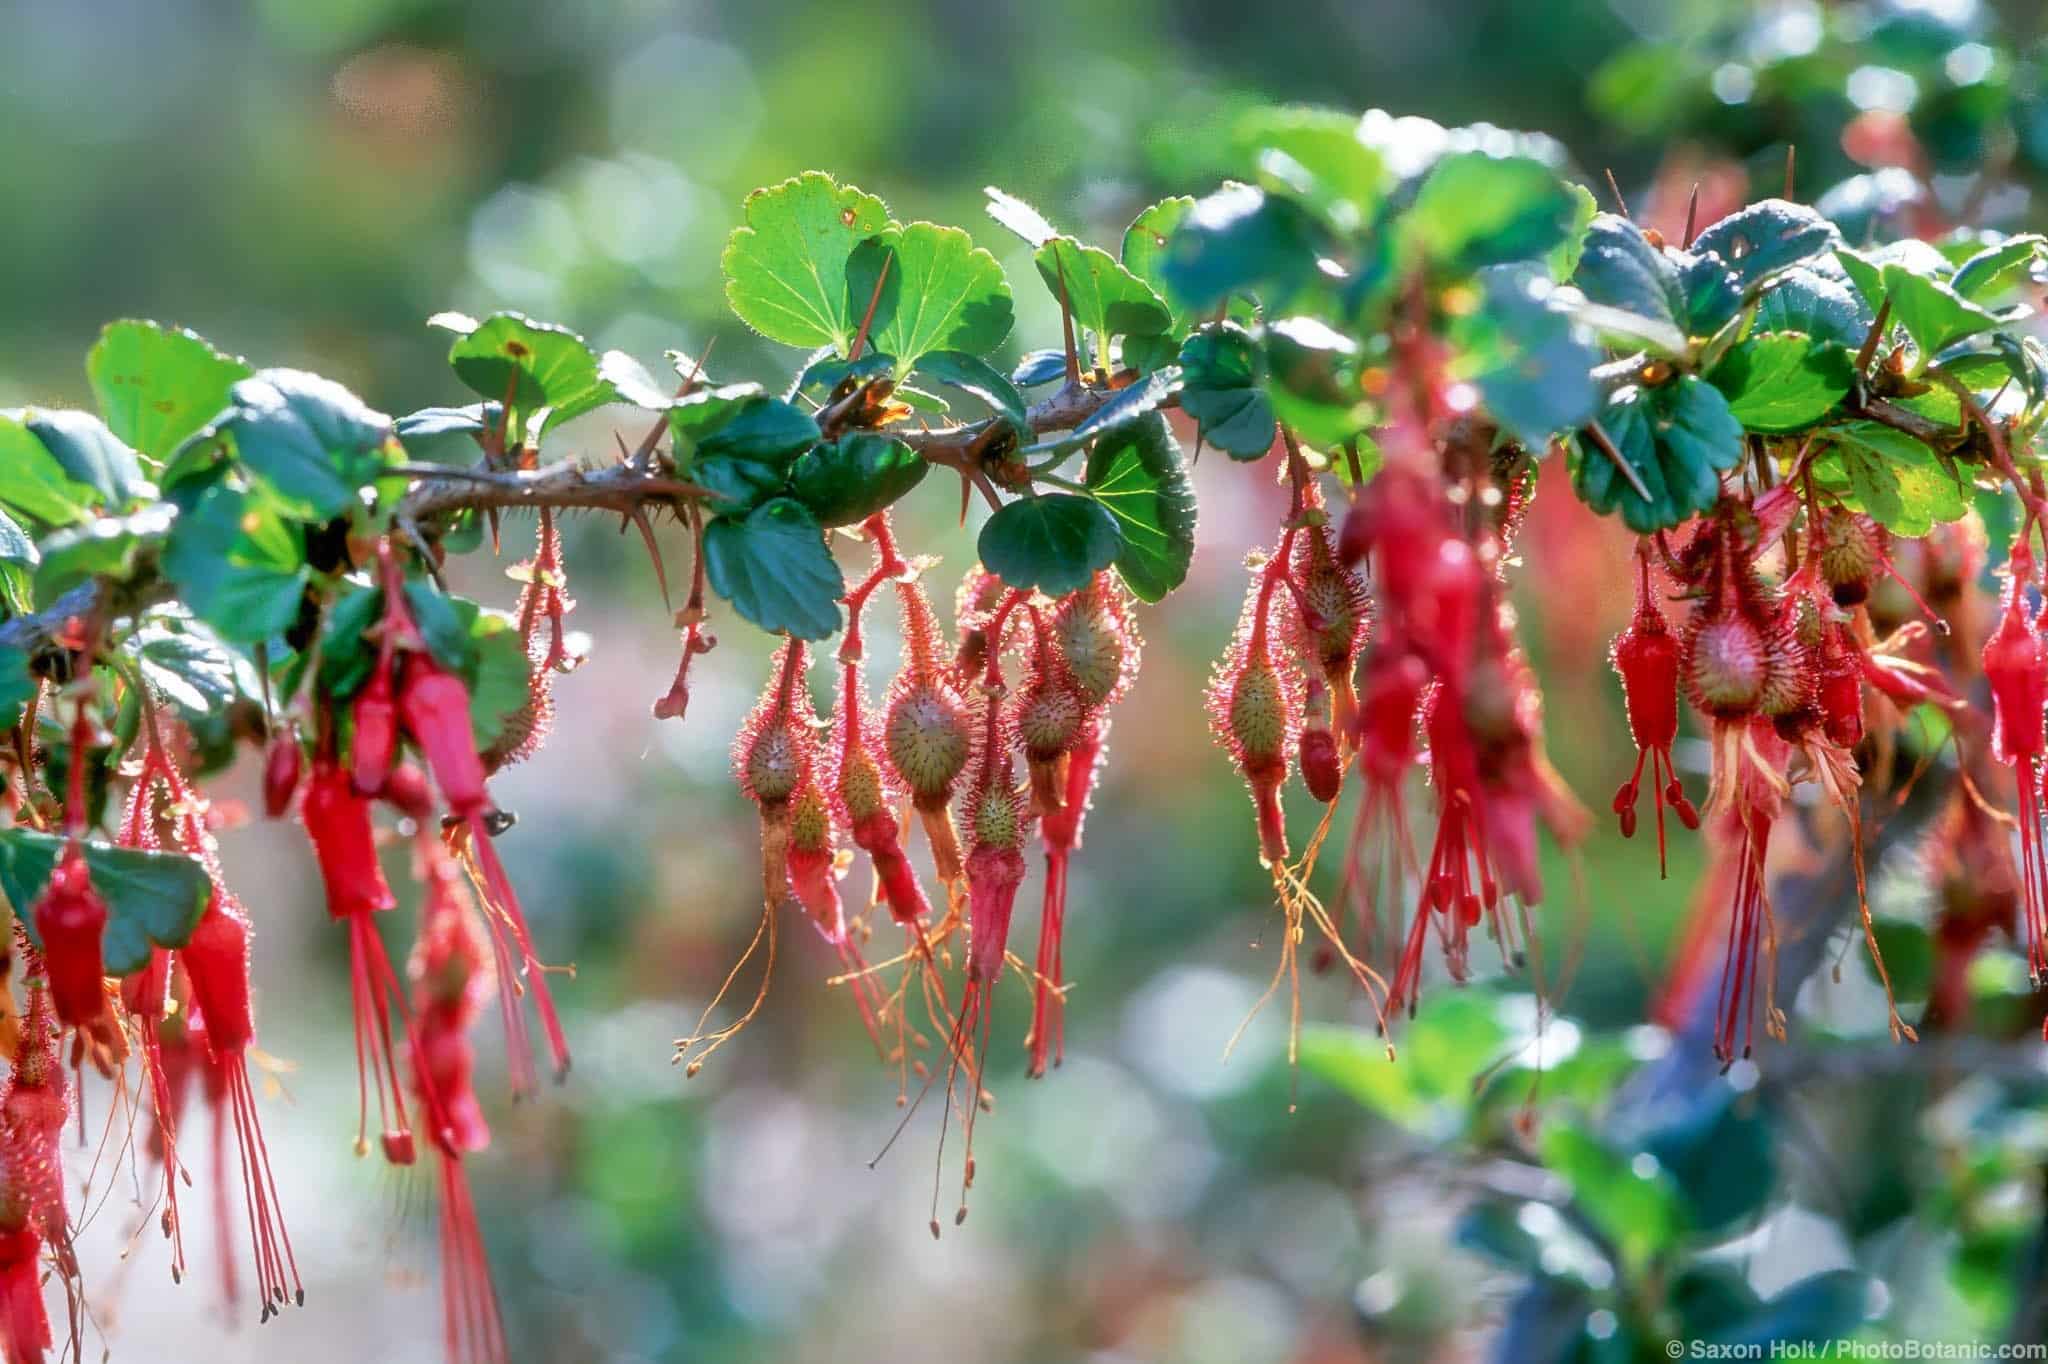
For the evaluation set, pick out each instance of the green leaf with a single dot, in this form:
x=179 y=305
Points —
x=1894 y=477
x=939 y=291
x=509 y=357
x=1053 y=543
x=761 y=428
x=191 y=664
x=1631 y=1199
x=1222 y=389
x=157 y=385
x=346 y=651
x=976 y=377
x=87 y=453
x=774 y=568
x=1677 y=438
x=1996 y=271
x=1822 y=1308
x=499 y=674
x=153 y=898
x=699 y=413
x=1317 y=157
x=17 y=684
x=855 y=476
x=107 y=545
x=1020 y=217
x=1474 y=210
x=239 y=564
x=1240 y=240
x=444 y=623
x=1826 y=309
x=785 y=269
x=1537 y=378
x=1767 y=236
x=1039 y=367
x=1106 y=299
x=1932 y=313
x=1618 y=268
x=1719 y=1147
x=311 y=440
x=1137 y=472
x=1144 y=246
x=1780 y=382
x=738 y=485
x=18 y=560
x=36 y=486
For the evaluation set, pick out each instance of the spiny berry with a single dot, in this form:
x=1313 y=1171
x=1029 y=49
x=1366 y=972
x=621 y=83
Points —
x=1093 y=634
x=1725 y=664
x=1852 y=552
x=1255 y=707
x=1322 y=766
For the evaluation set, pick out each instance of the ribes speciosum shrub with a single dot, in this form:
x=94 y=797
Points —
x=1407 y=334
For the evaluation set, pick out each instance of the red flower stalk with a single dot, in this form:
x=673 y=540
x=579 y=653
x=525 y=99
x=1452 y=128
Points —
x=71 y=917
x=451 y=980
x=543 y=601
x=1645 y=657
x=2016 y=666
x=375 y=745
x=167 y=1055
x=216 y=961
x=1255 y=698
x=344 y=842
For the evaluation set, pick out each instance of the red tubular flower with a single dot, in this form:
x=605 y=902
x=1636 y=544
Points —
x=71 y=920
x=282 y=767
x=24 y=1324
x=216 y=960
x=344 y=842
x=451 y=980
x=2016 y=666
x=1645 y=657
x=375 y=746
x=33 y=1112
x=433 y=707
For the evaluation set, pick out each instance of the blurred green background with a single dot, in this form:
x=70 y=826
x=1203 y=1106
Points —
x=305 y=181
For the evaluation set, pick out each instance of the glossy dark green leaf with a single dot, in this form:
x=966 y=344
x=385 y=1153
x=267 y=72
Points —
x=1039 y=367
x=850 y=479
x=1718 y=1147
x=239 y=564
x=17 y=684
x=737 y=485
x=1713 y=292
x=772 y=565
x=190 y=664
x=1473 y=210
x=311 y=440
x=699 y=413
x=106 y=545
x=1138 y=473
x=1222 y=389
x=156 y=385
x=1618 y=268
x=1677 y=438
x=1318 y=157
x=785 y=268
x=1240 y=240
x=974 y=376
x=18 y=560
x=1781 y=382
x=1820 y=1309
x=1765 y=237
x=1054 y=543
x=1822 y=306
x=153 y=898
x=761 y=428
x=499 y=673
